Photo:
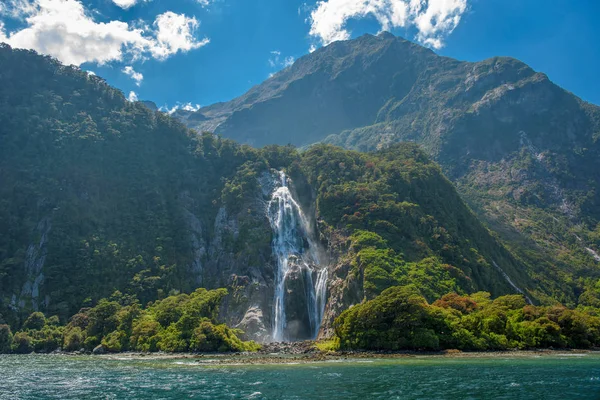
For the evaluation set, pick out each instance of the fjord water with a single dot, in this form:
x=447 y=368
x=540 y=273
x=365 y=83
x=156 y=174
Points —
x=291 y=230
x=421 y=377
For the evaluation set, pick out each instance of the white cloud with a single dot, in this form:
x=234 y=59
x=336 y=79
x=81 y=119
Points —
x=175 y=32
x=65 y=30
x=190 y=107
x=132 y=96
x=181 y=106
x=91 y=73
x=276 y=61
x=125 y=4
x=136 y=76
x=433 y=19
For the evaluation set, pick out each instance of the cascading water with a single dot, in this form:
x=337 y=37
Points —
x=297 y=259
x=321 y=289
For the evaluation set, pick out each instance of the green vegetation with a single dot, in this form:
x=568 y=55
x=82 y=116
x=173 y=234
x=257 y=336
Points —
x=178 y=323
x=6 y=338
x=405 y=223
x=523 y=153
x=97 y=192
x=401 y=319
x=101 y=195
x=542 y=219
x=109 y=206
x=328 y=345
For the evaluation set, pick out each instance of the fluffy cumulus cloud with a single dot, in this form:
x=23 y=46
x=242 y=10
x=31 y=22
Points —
x=175 y=32
x=136 y=76
x=65 y=30
x=433 y=19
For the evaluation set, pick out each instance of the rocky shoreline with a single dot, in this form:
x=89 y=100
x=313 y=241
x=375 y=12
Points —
x=307 y=352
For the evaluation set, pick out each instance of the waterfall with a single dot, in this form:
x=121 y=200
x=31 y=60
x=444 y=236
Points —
x=297 y=263
x=321 y=300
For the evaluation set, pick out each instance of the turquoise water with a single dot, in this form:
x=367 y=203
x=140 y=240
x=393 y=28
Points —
x=427 y=377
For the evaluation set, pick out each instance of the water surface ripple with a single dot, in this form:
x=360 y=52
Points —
x=426 y=377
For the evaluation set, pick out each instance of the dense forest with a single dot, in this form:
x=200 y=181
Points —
x=119 y=226
x=182 y=323
x=92 y=190
x=402 y=319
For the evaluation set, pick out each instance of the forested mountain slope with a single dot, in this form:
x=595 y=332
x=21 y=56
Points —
x=99 y=194
x=523 y=152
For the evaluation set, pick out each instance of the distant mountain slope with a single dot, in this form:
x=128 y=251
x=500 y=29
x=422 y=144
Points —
x=337 y=87
x=524 y=153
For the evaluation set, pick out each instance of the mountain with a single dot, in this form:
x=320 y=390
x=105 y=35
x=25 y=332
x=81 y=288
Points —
x=150 y=104
x=338 y=87
x=523 y=153
x=102 y=198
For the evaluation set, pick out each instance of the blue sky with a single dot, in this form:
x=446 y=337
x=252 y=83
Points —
x=176 y=52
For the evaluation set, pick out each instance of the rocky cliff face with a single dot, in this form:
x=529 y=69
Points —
x=222 y=258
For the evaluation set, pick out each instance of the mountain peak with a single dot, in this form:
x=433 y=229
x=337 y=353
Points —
x=386 y=35
x=376 y=89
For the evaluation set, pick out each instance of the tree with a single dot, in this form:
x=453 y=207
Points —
x=73 y=339
x=22 y=343
x=6 y=338
x=35 y=321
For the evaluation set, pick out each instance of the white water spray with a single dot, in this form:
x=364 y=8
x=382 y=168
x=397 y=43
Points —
x=292 y=244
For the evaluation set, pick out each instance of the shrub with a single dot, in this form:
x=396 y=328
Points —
x=170 y=340
x=22 y=343
x=212 y=338
x=115 y=341
x=90 y=342
x=6 y=339
x=102 y=319
x=73 y=339
x=328 y=345
x=144 y=336
x=48 y=339
x=35 y=321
